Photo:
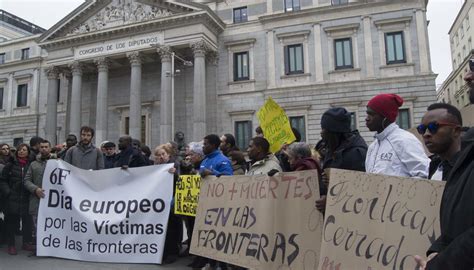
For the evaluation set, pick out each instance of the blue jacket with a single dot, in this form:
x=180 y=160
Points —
x=217 y=163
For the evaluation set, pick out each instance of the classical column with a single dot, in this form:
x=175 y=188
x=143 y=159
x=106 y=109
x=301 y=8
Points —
x=423 y=46
x=199 y=93
x=52 y=104
x=318 y=53
x=135 y=95
x=165 y=98
x=271 y=59
x=76 y=98
x=369 y=60
x=102 y=87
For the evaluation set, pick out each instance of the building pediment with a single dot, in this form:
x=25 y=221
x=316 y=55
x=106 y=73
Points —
x=103 y=17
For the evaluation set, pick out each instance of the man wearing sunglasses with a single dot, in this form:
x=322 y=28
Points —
x=454 y=249
x=441 y=131
x=394 y=151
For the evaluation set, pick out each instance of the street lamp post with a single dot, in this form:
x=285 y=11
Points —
x=175 y=72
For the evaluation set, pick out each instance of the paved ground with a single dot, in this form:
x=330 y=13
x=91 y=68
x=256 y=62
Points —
x=23 y=262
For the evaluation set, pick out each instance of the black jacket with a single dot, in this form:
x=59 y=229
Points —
x=456 y=243
x=130 y=157
x=109 y=161
x=15 y=196
x=350 y=155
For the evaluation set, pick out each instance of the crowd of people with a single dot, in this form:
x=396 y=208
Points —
x=394 y=151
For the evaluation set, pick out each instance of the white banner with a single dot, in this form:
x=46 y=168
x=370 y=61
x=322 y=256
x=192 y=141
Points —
x=104 y=216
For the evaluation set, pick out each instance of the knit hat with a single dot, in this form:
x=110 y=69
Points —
x=336 y=120
x=386 y=105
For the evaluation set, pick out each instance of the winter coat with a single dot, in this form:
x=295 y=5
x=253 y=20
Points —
x=455 y=246
x=86 y=157
x=350 y=155
x=264 y=166
x=109 y=161
x=217 y=163
x=397 y=152
x=130 y=157
x=309 y=163
x=34 y=180
x=12 y=187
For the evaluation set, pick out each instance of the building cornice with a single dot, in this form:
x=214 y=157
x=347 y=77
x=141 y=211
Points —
x=240 y=42
x=37 y=59
x=318 y=11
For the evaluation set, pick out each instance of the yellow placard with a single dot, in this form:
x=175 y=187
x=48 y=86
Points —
x=275 y=125
x=187 y=195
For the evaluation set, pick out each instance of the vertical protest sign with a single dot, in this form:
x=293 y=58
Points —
x=377 y=221
x=110 y=215
x=260 y=222
x=275 y=125
x=187 y=195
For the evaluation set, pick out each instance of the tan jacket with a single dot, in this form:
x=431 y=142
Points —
x=265 y=165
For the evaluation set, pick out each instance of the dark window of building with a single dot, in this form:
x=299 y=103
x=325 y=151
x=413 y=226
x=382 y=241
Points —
x=241 y=66
x=339 y=2
x=2 y=58
x=292 y=5
x=294 y=59
x=395 y=48
x=25 y=54
x=240 y=15
x=343 y=52
x=403 y=119
x=143 y=131
x=243 y=134
x=299 y=123
x=1 y=98
x=22 y=95
x=353 y=121
x=59 y=90
x=17 y=141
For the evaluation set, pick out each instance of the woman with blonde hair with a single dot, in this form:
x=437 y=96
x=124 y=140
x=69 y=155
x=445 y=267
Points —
x=165 y=154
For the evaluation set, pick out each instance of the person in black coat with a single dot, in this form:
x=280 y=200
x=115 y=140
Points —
x=129 y=156
x=346 y=149
x=17 y=199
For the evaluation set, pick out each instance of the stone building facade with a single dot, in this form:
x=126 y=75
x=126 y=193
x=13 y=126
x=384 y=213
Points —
x=112 y=63
x=454 y=90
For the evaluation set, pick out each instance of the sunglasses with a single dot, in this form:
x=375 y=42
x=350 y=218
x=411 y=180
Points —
x=433 y=127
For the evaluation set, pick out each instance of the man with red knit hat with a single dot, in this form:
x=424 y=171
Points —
x=394 y=151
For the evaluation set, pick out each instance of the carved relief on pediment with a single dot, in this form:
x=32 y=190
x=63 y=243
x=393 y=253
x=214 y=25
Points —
x=120 y=12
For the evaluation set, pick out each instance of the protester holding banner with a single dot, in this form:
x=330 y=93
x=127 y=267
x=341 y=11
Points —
x=84 y=154
x=454 y=249
x=261 y=160
x=165 y=154
x=394 y=151
x=34 y=180
x=441 y=131
x=344 y=148
x=239 y=164
x=16 y=208
x=129 y=156
x=215 y=163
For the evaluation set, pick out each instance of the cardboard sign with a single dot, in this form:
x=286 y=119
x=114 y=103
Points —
x=377 y=221
x=110 y=215
x=275 y=125
x=187 y=195
x=260 y=222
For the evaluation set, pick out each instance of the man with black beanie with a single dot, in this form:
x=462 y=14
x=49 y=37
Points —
x=346 y=149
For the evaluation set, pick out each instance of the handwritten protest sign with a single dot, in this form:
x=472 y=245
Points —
x=187 y=195
x=105 y=216
x=378 y=222
x=275 y=125
x=260 y=222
